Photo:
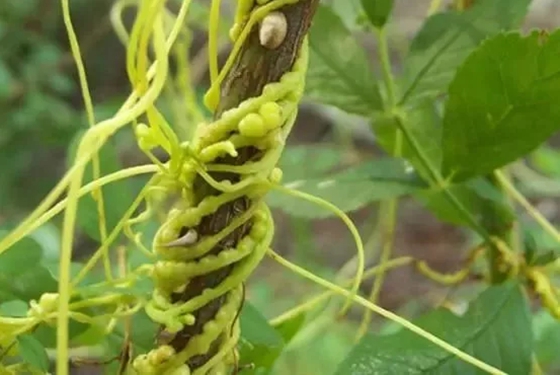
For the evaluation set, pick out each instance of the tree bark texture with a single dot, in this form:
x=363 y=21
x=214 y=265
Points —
x=254 y=67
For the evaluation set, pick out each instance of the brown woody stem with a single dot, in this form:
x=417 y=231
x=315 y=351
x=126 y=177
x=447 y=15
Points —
x=254 y=67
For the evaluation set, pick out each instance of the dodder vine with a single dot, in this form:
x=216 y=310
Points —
x=220 y=229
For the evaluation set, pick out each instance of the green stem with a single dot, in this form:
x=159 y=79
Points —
x=534 y=183
x=519 y=198
x=537 y=370
x=510 y=236
x=434 y=7
x=387 y=314
x=514 y=234
x=388 y=208
x=316 y=300
x=442 y=184
x=386 y=67
x=438 y=181
x=389 y=211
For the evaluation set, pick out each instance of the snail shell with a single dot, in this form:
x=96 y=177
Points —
x=273 y=29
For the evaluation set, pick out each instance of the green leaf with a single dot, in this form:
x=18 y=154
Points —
x=19 y=258
x=547 y=339
x=48 y=237
x=75 y=268
x=260 y=343
x=425 y=126
x=348 y=11
x=541 y=248
x=496 y=329
x=339 y=73
x=22 y=276
x=547 y=160
x=478 y=196
x=20 y=9
x=289 y=329
x=46 y=334
x=487 y=126
x=349 y=189
x=324 y=157
x=14 y=308
x=60 y=83
x=117 y=196
x=141 y=335
x=30 y=284
x=33 y=353
x=445 y=41
x=378 y=11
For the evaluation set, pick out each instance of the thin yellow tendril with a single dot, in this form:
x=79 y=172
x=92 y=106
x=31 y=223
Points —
x=97 y=194
x=85 y=151
x=434 y=7
x=107 y=179
x=445 y=279
x=388 y=219
x=386 y=314
x=314 y=301
x=519 y=198
x=213 y=32
x=146 y=12
x=112 y=236
x=116 y=19
x=353 y=230
x=127 y=113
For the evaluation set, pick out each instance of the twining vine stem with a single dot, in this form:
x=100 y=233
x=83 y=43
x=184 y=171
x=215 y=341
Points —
x=388 y=209
x=254 y=67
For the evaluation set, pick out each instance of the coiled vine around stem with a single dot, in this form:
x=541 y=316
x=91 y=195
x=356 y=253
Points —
x=204 y=260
